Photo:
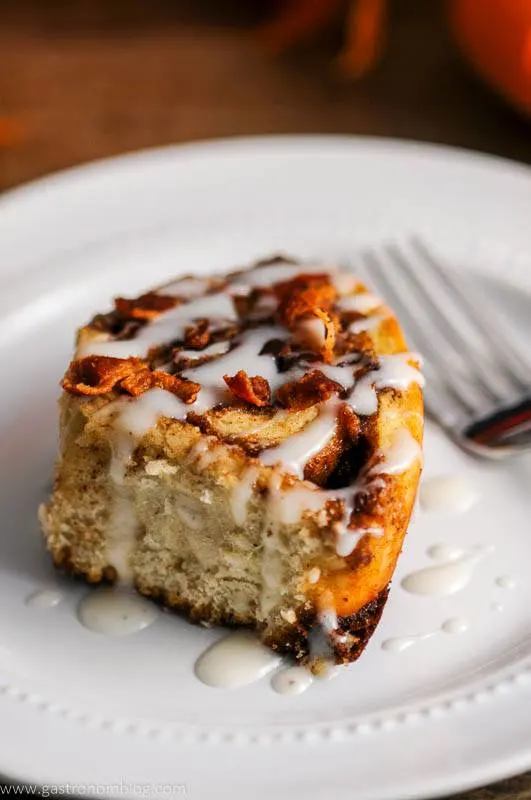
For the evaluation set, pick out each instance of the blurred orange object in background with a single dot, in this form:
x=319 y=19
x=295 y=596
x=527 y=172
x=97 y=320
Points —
x=495 y=36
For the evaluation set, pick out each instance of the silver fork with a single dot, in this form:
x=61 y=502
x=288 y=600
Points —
x=478 y=379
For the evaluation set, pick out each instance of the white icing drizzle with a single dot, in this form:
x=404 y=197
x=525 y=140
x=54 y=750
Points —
x=344 y=281
x=505 y=582
x=116 y=611
x=187 y=288
x=402 y=453
x=215 y=349
x=44 y=599
x=497 y=607
x=136 y=417
x=362 y=302
x=167 y=327
x=238 y=659
x=447 y=493
x=397 y=458
x=242 y=493
x=343 y=375
x=133 y=420
x=328 y=619
x=121 y=534
x=446 y=578
x=206 y=452
x=265 y=307
x=347 y=540
x=367 y=323
x=326 y=613
x=312 y=331
x=394 y=372
x=285 y=505
x=292 y=680
x=245 y=356
x=274 y=273
x=298 y=449
x=271 y=565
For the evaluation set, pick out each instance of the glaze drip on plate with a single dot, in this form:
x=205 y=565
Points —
x=236 y=660
x=452 y=625
x=116 y=612
x=44 y=599
x=448 y=577
x=447 y=493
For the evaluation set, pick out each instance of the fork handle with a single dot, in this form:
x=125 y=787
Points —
x=509 y=426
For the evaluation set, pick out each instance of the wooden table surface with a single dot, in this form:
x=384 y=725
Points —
x=90 y=78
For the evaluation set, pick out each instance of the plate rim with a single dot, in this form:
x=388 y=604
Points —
x=199 y=147
x=62 y=180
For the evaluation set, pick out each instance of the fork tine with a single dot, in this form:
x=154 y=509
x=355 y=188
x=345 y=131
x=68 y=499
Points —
x=439 y=402
x=491 y=330
x=455 y=388
x=481 y=373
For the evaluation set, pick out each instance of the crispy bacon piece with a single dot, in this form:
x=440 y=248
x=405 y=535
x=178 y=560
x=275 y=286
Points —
x=307 y=296
x=197 y=336
x=140 y=382
x=331 y=327
x=312 y=388
x=146 y=307
x=97 y=375
x=302 y=295
x=254 y=390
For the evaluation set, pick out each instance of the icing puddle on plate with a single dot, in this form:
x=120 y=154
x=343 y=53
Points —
x=448 y=577
x=397 y=644
x=235 y=660
x=452 y=494
x=44 y=599
x=116 y=611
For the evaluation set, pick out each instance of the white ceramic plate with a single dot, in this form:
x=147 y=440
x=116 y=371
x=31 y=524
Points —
x=78 y=708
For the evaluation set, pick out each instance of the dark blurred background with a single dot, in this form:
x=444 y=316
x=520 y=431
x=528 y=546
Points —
x=82 y=79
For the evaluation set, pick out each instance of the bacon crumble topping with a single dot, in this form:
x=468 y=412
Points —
x=97 y=375
x=254 y=390
x=146 y=307
x=312 y=388
x=197 y=336
x=307 y=296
